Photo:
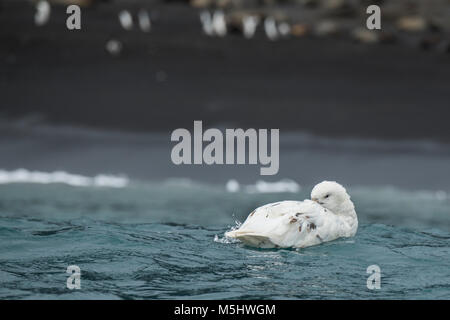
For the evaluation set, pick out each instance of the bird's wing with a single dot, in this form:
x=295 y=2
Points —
x=265 y=218
x=299 y=227
x=313 y=226
x=264 y=222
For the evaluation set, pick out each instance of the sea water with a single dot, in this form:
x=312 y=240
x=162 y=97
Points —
x=164 y=240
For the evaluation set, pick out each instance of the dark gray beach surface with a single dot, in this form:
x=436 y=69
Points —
x=165 y=79
x=382 y=107
x=86 y=176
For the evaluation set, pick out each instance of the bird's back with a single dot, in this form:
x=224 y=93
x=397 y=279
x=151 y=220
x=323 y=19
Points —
x=283 y=224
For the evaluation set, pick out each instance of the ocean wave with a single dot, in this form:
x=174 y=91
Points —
x=191 y=201
x=282 y=186
x=39 y=177
x=174 y=261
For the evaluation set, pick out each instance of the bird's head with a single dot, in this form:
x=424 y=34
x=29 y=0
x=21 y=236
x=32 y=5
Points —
x=331 y=195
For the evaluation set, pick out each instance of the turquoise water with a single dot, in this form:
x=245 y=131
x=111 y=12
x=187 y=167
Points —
x=165 y=241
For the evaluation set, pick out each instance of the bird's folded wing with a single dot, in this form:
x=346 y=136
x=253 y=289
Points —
x=319 y=227
x=310 y=226
x=289 y=224
x=269 y=217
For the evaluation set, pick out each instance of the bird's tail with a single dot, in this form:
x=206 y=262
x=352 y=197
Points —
x=251 y=238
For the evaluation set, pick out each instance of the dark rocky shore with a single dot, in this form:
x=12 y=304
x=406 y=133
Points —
x=335 y=83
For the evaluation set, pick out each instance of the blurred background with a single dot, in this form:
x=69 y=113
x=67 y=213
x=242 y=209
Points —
x=86 y=116
x=369 y=109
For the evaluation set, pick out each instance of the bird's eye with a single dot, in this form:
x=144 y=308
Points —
x=327 y=196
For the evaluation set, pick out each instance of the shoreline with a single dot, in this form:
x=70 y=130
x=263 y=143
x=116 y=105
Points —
x=174 y=75
x=304 y=158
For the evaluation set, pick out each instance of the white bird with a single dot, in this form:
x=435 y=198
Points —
x=328 y=216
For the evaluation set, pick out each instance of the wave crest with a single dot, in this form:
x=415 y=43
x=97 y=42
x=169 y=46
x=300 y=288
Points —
x=282 y=186
x=26 y=176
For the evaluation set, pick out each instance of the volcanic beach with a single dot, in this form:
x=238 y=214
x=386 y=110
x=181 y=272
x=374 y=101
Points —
x=330 y=86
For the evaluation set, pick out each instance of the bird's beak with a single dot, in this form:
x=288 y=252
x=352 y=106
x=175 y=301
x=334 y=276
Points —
x=315 y=200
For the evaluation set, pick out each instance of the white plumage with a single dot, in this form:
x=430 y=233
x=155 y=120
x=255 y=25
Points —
x=328 y=216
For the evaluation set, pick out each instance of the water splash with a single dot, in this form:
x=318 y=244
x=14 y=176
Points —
x=224 y=240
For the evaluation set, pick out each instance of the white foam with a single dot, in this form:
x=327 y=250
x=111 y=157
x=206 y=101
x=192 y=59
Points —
x=26 y=176
x=282 y=186
x=224 y=240
x=233 y=185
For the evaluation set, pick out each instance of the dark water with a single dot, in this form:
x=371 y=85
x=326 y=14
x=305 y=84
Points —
x=165 y=241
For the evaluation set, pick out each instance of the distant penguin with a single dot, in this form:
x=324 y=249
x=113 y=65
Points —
x=284 y=29
x=215 y=24
x=126 y=19
x=249 y=24
x=270 y=27
x=206 y=20
x=219 y=23
x=42 y=15
x=145 y=22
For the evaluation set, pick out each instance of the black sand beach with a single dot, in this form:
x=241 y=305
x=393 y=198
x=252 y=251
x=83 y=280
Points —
x=173 y=75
